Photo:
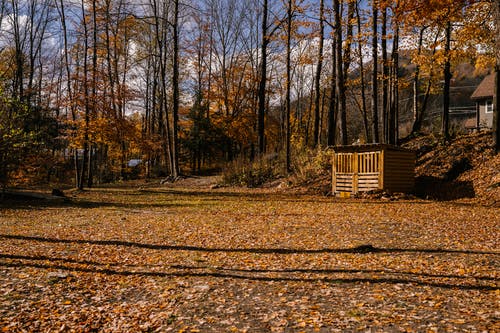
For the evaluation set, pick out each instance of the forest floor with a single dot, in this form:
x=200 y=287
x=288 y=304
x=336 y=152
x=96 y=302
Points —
x=188 y=257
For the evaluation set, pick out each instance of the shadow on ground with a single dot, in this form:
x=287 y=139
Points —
x=443 y=190
x=447 y=281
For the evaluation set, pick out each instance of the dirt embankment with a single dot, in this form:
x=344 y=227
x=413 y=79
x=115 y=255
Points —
x=465 y=167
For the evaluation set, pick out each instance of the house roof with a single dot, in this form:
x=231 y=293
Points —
x=485 y=88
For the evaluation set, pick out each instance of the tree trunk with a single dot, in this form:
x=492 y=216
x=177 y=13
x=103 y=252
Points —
x=210 y=55
x=420 y=109
x=162 y=118
x=90 y=165
x=375 y=125
x=340 y=73
x=394 y=108
x=385 y=75
x=262 y=83
x=175 y=93
x=94 y=86
x=417 y=125
x=83 y=170
x=364 y=110
x=445 y=129
x=69 y=87
x=317 y=79
x=2 y=10
x=346 y=64
x=288 y=83
x=18 y=84
x=332 y=107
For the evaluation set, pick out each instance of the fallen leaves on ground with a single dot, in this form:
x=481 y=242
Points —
x=172 y=259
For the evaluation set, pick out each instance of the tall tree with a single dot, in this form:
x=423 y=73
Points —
x=2 y=10
x=60 y=5
x=349 y=22
x=160 y=22
x=333 y=104
x=263 y=79
x=385 y=74
x=375 y=120
x=445 y=129
x=90 y=179
x=393 y=113
x=317 y=78
x=290 y=10
x=340 y=83
x=175 y=91
x=417 y=124
x=19 y=43
x=86 y=99
x=364 y=111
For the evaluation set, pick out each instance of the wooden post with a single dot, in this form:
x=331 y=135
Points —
x=478 y=116
x=355 y=171
x=334 y=171
x=381 y=170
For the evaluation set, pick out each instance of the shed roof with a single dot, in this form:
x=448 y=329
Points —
x=485 y=88
x=368 y=147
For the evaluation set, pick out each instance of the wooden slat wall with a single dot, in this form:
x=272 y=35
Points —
x=344 y=162
x=356 y=172
x=344 y=182
x=369 y=169
x=343 y=172
x=399 y=171
x=369 y=162
x=368 y=181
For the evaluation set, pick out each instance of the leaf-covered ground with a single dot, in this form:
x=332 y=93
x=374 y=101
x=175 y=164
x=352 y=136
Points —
x=229 y=260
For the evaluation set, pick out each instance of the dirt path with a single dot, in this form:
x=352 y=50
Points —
x=192 y=259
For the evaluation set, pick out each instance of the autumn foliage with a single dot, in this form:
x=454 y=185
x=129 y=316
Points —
x=182 y=88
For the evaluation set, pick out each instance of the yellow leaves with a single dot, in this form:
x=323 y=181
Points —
x=7 y=66
x=483 y=64
x=437 y=305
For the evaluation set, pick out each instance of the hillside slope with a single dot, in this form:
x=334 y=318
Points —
x=466 y=167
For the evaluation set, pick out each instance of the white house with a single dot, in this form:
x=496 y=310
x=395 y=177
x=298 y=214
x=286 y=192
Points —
x=483 y=96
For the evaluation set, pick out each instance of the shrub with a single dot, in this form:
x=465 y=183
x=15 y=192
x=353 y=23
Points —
x=251 y=174
x=311 y=164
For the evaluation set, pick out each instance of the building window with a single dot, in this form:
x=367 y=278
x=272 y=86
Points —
x=489 y=107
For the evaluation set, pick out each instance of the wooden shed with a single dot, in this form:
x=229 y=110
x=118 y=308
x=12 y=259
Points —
x=362 y=168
